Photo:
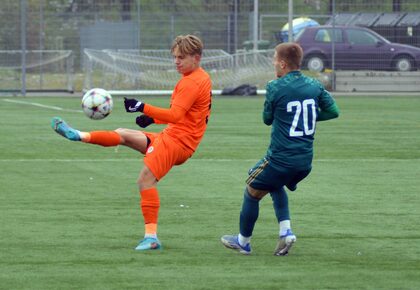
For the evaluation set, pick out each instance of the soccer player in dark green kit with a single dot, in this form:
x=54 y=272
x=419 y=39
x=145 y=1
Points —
x=293 y=105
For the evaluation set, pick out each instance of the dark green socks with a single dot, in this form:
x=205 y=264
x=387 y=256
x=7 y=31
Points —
x=249 y=214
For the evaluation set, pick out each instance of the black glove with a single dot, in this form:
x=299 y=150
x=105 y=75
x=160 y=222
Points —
x=133 y=105
x=144 y=121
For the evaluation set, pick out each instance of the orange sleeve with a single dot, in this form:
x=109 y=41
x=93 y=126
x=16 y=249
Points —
x=157 y=121
x=162 y=116
x=185 y=95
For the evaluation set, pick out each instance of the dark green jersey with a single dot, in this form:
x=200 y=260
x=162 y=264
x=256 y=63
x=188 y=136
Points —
x=292 y=105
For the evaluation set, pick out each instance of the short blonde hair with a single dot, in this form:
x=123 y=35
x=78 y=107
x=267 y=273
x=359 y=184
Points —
x=188 y=45
x=291 y=53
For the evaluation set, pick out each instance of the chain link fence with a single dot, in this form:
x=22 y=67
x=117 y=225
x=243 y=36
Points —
x=44 y=27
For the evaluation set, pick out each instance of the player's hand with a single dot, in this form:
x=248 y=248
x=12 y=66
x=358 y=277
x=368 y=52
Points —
x=144 y=121
x=133 y=105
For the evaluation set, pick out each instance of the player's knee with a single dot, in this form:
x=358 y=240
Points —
x=255 y=193
x=146 y=179
x=126 y=137
x=120 y=130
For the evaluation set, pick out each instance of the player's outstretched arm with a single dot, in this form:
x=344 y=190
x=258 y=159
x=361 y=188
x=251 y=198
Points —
x=172 y=115
x=160 y=115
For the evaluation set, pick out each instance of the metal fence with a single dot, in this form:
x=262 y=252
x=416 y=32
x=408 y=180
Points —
x=51 y=25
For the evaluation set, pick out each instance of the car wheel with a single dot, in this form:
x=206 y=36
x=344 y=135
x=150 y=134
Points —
x=403 y=63
x=315 y=63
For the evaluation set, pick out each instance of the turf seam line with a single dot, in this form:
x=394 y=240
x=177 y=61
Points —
x=42 y=106
x=201 y=160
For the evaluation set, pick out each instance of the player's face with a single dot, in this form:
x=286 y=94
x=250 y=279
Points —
x=185 y=63
x=279 y=66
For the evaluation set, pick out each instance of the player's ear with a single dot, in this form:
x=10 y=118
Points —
x=283 y=64
x=197 y=58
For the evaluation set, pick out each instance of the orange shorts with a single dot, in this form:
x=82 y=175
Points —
x=163 y=153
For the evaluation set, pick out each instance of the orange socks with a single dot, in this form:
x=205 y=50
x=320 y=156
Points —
x=103 y=138
x=150 y=204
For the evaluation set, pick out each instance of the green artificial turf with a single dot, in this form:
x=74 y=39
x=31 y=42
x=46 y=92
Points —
x=70 y=217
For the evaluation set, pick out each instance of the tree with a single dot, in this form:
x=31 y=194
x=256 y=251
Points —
x=125 y=10
x=396 y=5
x=104 y=5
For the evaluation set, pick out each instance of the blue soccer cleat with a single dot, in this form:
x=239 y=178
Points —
x=285 y=243
x=149 y=244
x=232 y=242
x=64 y=130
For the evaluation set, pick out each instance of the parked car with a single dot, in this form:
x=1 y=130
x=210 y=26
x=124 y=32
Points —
x=356 y=48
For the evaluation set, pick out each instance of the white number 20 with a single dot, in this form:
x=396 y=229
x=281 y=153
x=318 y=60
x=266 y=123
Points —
x=298 y=107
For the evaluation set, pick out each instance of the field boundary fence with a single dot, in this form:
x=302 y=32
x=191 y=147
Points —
x=71 y=46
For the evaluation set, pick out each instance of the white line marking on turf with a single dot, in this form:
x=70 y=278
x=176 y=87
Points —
x=69 y=160
x=200 y=160
x=42 y=106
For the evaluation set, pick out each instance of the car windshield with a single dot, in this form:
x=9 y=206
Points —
x=299 y=34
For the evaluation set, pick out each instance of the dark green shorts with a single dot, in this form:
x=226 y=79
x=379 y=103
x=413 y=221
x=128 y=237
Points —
x=264 y=176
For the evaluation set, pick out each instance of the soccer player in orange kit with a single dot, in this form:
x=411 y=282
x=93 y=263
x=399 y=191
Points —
x=187 y=120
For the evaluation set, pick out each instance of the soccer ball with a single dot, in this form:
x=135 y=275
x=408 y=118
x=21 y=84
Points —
x=97 y=104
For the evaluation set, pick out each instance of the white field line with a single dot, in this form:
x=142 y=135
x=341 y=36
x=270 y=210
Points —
x=42 y=106
x=200 y=160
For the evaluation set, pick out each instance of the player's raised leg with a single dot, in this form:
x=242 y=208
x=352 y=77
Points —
x=103 y=138
x=134 y=139
x=62 y=128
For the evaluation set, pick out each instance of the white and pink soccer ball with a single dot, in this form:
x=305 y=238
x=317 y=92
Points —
x=97 y=104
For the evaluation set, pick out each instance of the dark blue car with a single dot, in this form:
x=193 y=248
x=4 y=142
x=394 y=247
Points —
x=356 y=48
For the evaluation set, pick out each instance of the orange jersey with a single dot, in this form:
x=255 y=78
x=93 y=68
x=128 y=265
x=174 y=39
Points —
x=189 y=110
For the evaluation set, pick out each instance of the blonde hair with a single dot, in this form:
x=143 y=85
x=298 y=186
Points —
x=188 y=45
x=291 y=53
